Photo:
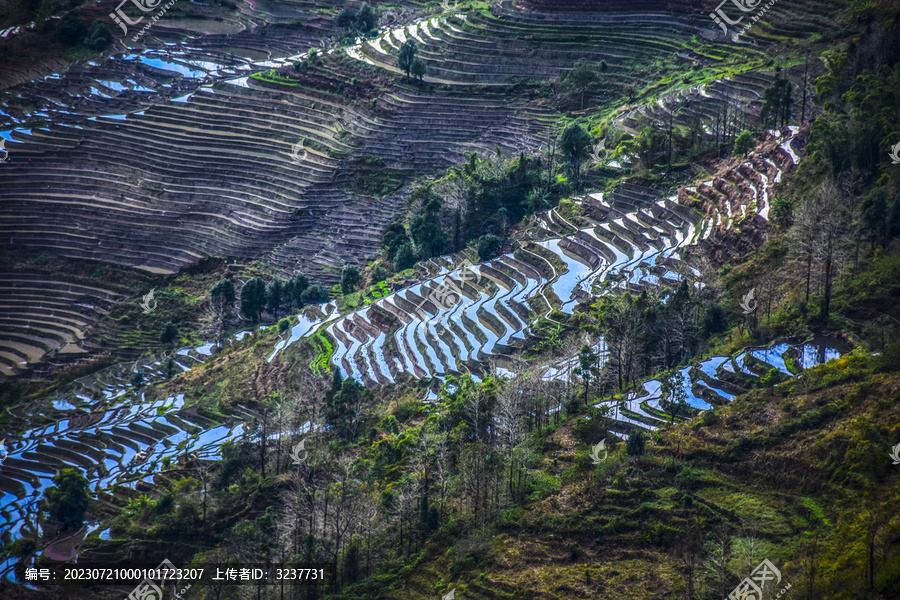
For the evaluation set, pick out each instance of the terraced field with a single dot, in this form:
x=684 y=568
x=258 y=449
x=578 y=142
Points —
x=228 y=146
x=158 y=158
x=503 y=46
x=456 y=321
x=798 y=20
x=41 y=314
x=462 y=318
x=463 y=315
x=717 y=380
x=106 y=428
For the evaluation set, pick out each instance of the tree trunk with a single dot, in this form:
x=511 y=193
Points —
x=808 y=273
x=826 y=301
x=262 y=444
x=803 y=105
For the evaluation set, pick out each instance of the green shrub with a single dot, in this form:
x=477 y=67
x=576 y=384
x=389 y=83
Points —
x=636 y=444
x=350 y=278
x=707 y=418
x=616 y=525
x=283 y=325
x=20 y=547
x=71 y=30
x=487 y=245
x=715 y=321
x=542 y=485
x=168 y=334
x=165 y=504
x=378 y=274
x=889 y=359
x=569 y=211
x=737 y=448
x=405 y=257
x=68 y=498
x=389 y=424
x=583 y=461
x=771 y=378
x=100 y=36
x=661 y=535
x=743 y=143
x=315 y=294
x=688 y=478
x=592 y=428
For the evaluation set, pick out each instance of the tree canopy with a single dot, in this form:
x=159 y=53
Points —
x=363 y=21
x=581 y=78
x=253 y=298
x=407 y=55
x=350 y=278
x=418 y=69
x=68 y=499
x=575 y=144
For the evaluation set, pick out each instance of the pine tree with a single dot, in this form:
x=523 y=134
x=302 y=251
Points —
x=406 y=56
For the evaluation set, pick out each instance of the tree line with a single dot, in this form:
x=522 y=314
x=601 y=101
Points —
x=477 y=201
x=257 y=297
x=844 y=203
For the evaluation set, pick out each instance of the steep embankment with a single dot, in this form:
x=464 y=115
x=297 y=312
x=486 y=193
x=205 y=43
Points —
x=797 y=474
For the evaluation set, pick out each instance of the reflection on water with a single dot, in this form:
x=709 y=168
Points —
x=127 y=439
x=814 y=352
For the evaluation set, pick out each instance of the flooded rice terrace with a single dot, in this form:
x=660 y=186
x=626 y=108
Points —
x=454 y=322
x=105 y=427
x=121 y=85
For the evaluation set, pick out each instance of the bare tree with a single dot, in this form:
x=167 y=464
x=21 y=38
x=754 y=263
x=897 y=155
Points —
x=689 y=551
x=205 y=471
x=803 y=235
x=833 y=220
x=819 y=231
x=442 y=458
x=808 y=562
x=510 y=414
x=623 y=328
x=346 y=505
x=718 y=551
x=284 y=415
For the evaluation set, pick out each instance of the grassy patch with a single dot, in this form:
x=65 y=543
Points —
x=376 y=179
x=324 y=349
